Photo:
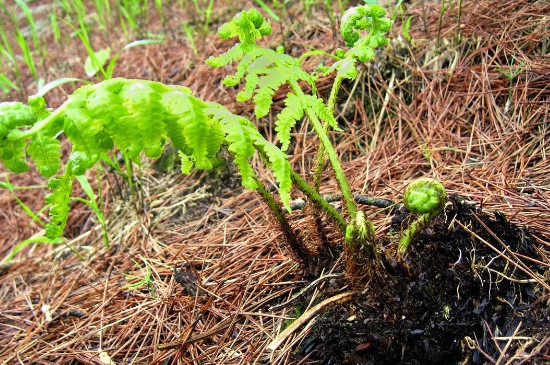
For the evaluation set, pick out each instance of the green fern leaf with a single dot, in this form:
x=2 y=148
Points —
x=191 y=129
x=59 y=201
x=245 y=65
x=12 y=155
x=235 y=53
x=196 y=130
x=39 y=107
x=345 y=68
x=14 y=115
x=252 y=79
x=44 y=150
x=322 y=112
x=105 y=105
x=146 y=115
x=251 y=82
x=80 y=127
x=281 y=169
x=239 y=135
x=174 y=106
x=269 y=83
x=287 y=118
x=186 y=163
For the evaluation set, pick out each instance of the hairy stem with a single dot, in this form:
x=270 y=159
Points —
x=414 y=228
x=320 y=160
x=319 y=201
x=275 y=208
x=331 y=153
x=312 y=195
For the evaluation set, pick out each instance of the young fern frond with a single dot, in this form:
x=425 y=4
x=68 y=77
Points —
x=264 y=70
x=369 y=18
x=287 y=118
x=45 y=152
x=278 y=161
x=249 y=26
x=59 y=201
x=239 y=139
x=427 y=198
x=244 y=139
x=14 y=115
x=135 y=116
x=364 y=18
x=323 y=113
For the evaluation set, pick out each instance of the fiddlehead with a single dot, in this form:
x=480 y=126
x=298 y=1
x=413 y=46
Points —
x=427 y=198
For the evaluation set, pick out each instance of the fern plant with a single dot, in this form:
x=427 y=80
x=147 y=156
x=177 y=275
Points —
x=264 y=71
x=142 y=116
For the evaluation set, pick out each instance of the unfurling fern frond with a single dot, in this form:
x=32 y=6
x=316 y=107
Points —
x=249 y=26
x=370 y=19
x=146 y=113
x=12 y=154
x=44 y=151
x=239 y=141
x=14 y=115
x=264 y=70
x=243 y=139
x=281 y=169
x=135 y=116
x=59 y=201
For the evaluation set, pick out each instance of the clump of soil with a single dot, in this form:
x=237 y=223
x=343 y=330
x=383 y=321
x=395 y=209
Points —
x=453 y=295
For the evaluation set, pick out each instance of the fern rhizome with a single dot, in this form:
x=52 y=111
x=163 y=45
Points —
x=143 y=116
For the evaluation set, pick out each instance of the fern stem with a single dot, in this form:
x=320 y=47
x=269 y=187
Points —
x=315 y=197
x=320 y=160
x=311 y=194
x=331 y=153
x=413 y=229
x=275 y=208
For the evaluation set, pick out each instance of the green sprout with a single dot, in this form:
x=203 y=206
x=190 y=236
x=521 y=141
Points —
x=425 y=197
x=141 y=281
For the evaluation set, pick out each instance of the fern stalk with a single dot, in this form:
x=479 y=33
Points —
x=331 y=105
x=347 y=195
x=321 y=202
x=279 y=215
x=312 y=195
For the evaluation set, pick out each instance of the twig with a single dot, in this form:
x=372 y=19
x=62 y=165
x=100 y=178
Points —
x=308 y=315
x=359 y=199
x=306 y=289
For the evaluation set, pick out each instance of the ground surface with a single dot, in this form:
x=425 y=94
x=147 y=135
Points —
x=474 y=288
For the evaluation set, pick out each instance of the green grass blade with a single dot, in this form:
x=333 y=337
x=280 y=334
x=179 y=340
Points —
x=55 y=26
x=27 y=55
x=30 y=19
x=92 y=203
x=268 y=10
x=21 y=245
x=141 y=42
x=53 y=84
x=189 y=33
x=6 y=85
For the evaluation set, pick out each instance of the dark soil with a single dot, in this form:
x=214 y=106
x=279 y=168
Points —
x=450 y=297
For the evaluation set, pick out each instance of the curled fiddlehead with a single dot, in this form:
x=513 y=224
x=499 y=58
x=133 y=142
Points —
x=361 y=234
x=427 y=198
